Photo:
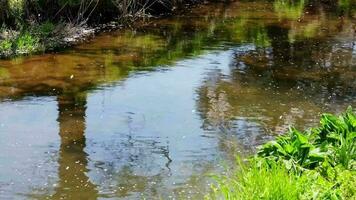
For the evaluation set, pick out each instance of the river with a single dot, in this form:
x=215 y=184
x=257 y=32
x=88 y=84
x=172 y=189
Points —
x=150 y=112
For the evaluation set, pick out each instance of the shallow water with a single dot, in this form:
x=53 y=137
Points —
x=149 y=112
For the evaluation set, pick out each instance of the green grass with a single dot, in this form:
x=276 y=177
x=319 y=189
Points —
x=272 y=181
x=255 y=181
x=315 y=164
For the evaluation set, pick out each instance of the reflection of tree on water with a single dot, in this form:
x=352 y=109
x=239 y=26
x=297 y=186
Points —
x=218 y=113
x=272 y=87
x=294 y=9
x=74 y=182
x=314 y=64
x=218 y=106
x=245 y=103
x=289 y=9
x=131 y=166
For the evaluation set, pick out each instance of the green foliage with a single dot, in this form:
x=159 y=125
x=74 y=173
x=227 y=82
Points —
x=313 y=185
x=27 y=43
x=317 y=164
x=44 y=30
x=5 y=47
x=16 y=10
x=16 y=6
x=346 y=6
x=28 y=40
x=332 y=144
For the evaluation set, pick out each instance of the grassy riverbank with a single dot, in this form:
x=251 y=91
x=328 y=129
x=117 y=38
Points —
x=314 y=164
x=40 y=38
x=31 y=26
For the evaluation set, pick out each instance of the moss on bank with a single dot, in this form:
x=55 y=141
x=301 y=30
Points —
x=315 y=164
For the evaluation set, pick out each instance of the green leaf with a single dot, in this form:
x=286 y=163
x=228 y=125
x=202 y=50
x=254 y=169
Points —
x=302 y=138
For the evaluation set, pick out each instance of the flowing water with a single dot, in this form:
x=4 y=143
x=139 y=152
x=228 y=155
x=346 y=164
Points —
x=150 y=112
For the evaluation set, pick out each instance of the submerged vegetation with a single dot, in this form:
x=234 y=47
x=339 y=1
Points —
x=314 y=164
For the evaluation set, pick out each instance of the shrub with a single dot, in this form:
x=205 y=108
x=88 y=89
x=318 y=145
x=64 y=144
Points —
x=44 y=30
x=27 y=43
x=16 y=10
x=5 y=47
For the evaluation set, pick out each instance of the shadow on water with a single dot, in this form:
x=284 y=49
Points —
x=147 y=112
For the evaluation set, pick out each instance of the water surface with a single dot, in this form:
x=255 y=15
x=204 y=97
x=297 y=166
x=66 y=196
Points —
x=148 y=112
